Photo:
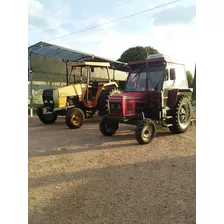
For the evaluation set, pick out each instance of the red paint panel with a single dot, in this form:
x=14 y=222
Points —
x=172 y=98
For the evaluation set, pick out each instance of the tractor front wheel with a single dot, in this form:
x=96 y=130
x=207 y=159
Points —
x=145 y=131
x=46 y=118
x=74 y=118
x=108 y=127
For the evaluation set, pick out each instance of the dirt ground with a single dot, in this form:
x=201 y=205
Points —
x=80 y=176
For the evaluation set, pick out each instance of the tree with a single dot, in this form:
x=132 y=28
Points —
x=151 y=50
x=189 y=79
x=137 y=53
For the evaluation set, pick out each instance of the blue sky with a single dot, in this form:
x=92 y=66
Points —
x=170 y=29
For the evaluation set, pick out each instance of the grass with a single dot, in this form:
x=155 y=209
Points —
x=194 y=103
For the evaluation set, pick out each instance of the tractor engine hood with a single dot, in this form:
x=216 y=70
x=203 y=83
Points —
x=125 y=104
x=127 y=96
x=71 y=90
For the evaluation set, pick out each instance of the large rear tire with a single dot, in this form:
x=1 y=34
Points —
x=74 y=118
x=108 y=127
x=46 y=118
x=181 y=115
x=103 y=106
x=145 y=131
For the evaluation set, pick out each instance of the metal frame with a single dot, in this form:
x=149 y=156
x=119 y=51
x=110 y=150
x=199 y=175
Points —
x=31 y=79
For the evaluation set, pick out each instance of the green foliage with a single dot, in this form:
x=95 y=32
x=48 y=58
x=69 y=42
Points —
x=137 y=53
x=151 y=50
x=189 y=79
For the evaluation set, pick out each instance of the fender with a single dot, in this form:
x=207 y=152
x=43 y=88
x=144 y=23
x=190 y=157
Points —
x=173 y=94
x=172 y=97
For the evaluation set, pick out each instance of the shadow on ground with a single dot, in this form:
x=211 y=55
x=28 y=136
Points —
x=154 y=192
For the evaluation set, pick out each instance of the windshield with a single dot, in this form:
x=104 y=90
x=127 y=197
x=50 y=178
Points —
x=137 y=79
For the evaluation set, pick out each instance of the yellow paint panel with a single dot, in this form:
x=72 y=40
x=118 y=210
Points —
x=71 y=90
x=62 y=101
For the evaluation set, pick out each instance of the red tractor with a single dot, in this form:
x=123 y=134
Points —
x=154 y=95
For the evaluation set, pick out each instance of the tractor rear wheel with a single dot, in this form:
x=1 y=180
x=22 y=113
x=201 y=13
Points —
x=145 y=131
x=46 y=118
x=108 y=127
x=74 y=118
x=181 y=115
x=103 y=101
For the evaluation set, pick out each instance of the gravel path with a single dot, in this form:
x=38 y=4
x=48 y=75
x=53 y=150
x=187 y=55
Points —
x=80 y=176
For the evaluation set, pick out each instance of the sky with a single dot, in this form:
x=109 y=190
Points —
x=170 y=29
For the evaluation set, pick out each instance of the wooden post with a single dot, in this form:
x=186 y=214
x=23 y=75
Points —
x=31 y=87
x=66 y=70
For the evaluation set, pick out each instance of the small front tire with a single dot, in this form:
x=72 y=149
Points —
x=145 y=131
x=74 y=118
x=46 y=118
x=108 y=127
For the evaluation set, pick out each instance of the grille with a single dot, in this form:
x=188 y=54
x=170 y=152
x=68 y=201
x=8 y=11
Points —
x=129 y=106
x=115 y=108
x=48 y=97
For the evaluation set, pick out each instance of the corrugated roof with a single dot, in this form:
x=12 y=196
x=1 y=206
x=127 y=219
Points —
x=50 y=50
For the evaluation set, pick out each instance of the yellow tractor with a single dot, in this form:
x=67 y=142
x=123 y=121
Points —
x=79 y=100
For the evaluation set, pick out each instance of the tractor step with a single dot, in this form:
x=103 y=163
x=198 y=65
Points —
x=168 y=117
x=167 y=125
x=166 y=108
x=164 y=124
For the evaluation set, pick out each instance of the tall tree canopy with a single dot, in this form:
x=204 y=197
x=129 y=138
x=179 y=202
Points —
x=137 y=53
